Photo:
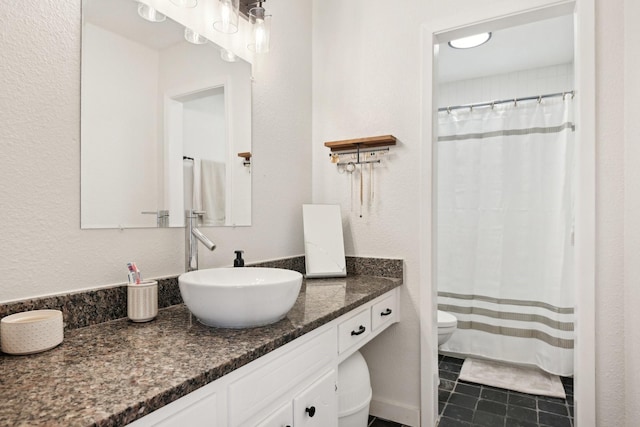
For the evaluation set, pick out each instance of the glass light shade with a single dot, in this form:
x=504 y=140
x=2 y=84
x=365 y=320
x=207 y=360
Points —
x=471 y=41
x=228 y=56
x=261 y=30
x=227 y=19
x=193 y=37
x=150 y=14
x=185 y=3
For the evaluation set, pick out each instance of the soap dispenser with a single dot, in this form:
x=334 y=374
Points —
x=238 y=262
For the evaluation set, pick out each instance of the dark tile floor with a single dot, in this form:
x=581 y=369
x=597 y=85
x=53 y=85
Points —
x=464 y=404
x=379 y=422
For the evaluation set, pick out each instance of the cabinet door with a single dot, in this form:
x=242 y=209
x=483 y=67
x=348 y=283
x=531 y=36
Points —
x=317 y=405
x=265 y=387
x=282 y=417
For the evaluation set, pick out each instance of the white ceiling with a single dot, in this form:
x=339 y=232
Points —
x=534 y=45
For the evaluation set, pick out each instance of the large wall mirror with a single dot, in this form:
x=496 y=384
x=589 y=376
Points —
x=163 y=124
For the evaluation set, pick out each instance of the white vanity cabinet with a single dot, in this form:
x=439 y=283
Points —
x=294 y=385
x=282 y=417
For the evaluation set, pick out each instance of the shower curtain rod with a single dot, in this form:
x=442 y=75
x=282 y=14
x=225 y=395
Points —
x=506 y=101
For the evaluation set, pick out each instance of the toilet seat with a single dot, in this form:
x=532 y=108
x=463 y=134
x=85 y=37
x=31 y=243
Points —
x=446 y=320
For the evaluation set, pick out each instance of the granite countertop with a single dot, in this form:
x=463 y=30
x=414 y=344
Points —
x=112 y=373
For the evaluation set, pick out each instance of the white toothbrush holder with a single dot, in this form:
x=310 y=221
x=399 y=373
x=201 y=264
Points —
x=142 y=301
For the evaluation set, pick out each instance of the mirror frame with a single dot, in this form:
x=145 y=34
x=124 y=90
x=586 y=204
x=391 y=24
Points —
x=461 y=25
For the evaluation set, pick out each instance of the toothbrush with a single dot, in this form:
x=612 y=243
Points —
x=135 y=269
x=134 y=273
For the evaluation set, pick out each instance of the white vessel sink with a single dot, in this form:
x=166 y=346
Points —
x=242 y=297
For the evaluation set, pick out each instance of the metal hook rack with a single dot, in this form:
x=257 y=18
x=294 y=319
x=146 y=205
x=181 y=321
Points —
x=360 y=152
x=360 y=146
x=357 y=160
x=247 y=158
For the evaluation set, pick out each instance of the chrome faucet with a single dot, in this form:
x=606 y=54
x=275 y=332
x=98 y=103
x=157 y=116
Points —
x=191 y=237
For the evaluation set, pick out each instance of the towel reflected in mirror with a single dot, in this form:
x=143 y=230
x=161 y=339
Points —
x=212 y=192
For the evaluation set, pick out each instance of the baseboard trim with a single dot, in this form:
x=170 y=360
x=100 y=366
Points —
x=396 y=412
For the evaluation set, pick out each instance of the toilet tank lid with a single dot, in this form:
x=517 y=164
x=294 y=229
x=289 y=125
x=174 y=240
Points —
x=446 y=319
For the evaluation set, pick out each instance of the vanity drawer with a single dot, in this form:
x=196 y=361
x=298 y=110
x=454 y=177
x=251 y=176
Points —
x=384 y=312
x=354 y=330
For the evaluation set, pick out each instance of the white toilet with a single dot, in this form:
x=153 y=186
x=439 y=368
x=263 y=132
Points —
x=447 y=323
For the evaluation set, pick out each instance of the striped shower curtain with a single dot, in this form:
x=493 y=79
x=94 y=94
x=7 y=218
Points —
x=504 y=231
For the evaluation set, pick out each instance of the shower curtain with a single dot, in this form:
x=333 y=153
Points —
x=504 y=231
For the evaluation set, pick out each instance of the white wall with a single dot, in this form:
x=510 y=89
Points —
x=632 y=209
x=366 y=81
x=44 y=251
x=204 y=127
x=610 y=205
x=120 y=157
x=366 y=62
x=533 y=82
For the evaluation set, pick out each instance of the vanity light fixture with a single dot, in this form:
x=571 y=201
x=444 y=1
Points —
x=260 y=29
x=227 y=19
x=150 y=14
x=228 y=56
x=471 y=41
x=193 y=37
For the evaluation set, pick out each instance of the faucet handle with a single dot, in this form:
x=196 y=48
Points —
x=162 y=216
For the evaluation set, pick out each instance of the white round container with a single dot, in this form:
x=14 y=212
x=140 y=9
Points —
x=354 y=392
x=142 y=301
x=31 y=331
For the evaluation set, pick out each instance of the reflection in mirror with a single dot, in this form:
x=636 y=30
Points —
x=162 y=123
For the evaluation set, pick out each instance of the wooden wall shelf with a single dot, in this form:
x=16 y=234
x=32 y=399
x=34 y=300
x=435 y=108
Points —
x=361 y=143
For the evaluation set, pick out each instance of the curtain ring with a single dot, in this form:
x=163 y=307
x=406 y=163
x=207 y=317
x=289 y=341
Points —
x=350 y=167
x=564 y=96
x=448 y=110
x=515 y=102
x=493 y=104
x=540 y=99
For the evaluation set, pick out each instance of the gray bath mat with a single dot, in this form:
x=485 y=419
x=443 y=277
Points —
x=525 y=380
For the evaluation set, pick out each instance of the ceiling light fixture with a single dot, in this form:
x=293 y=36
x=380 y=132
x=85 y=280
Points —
x=150 y=14
x=261 y=29
x=227 y=20
x=471 y=41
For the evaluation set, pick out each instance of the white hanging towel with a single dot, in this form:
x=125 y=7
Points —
x=197 y=191
x=187 y=176
x=212 y=191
